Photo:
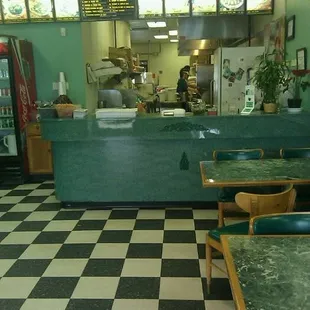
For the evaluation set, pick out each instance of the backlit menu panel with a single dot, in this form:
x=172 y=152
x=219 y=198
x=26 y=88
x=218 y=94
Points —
x=40 y=10
x=67 y=10
x=14 y=11
x=230 y=7
x=259 y=6
x=149 y=8
x=108 y=9
x=176 y=8
x=204 y=7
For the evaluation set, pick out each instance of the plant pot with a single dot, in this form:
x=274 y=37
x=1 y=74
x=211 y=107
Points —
x=294 y=103
x=270 y=107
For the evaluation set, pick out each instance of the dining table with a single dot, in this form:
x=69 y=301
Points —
x=263 y=172
x=268 y=272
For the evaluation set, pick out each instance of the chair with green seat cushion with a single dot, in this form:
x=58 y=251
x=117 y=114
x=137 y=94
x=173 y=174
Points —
x=303 y=191
x=254 y=205
x=226 y=196
x=297 y=223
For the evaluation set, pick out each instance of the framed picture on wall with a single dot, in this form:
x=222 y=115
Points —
x=290 y=28
x=301 y=57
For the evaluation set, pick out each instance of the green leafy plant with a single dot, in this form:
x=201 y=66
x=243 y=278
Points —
x=298 y=82
x=270 y=76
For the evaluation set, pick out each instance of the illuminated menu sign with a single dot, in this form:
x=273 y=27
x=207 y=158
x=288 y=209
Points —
x=67 y=10
x=14 y=11
x=108 y=9
x=204 y=7
x=231 y=7
x=259 y=6
x=153 y=8
x=40 y=10
x=176 y=8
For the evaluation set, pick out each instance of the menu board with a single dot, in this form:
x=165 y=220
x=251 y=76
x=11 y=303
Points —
x=175 y=8
x=67 y=10
x=40 y=10
x=231 y=7
x=149 y=8
x=108 y=9
x=259 y=6
x=14 y=11
x=204 y=7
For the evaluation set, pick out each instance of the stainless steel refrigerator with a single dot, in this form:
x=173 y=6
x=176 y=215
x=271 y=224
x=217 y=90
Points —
x=233 y=70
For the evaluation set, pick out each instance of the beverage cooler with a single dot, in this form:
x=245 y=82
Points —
x=17 y=94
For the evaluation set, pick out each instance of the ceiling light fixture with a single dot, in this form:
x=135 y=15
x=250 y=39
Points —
x=173 y=33
x=157 y=24
x=174 y=41
x=161 y=36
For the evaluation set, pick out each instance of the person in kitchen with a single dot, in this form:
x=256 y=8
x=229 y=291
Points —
x=186 y=68
x=182 y=87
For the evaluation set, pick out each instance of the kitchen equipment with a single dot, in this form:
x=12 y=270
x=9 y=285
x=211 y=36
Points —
x=232 y=67
x=205 y=82
x=172 y=94
x=173 y=113
x=109 y=98
x=139 y=79
x=149 y=78
x=163 y=95
x=10 y=142
x=129 y=98
x=80 y=113
x=116 y=113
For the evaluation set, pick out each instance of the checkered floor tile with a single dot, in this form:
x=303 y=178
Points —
x=60 y=259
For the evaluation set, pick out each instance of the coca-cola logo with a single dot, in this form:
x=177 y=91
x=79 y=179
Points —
x=24 y=101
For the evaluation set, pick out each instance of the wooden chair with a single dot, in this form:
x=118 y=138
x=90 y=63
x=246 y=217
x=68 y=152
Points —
x=297 y=223
x=255 y=205
x=303 y=191
x=226 y=195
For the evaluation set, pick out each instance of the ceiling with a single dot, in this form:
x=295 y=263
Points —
x=141 y=33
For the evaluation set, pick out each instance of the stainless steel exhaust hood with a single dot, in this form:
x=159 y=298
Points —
x=202 y=35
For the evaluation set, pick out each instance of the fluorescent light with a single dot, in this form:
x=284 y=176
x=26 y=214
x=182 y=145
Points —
x=157 y=24
x=161 y=36
x=174 y=41
x=173 y=33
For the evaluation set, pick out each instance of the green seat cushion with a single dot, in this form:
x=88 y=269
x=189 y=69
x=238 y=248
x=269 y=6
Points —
x=296 y=153
x=238 y=155
x=235 y=229
x=283 y=225
x=227 y=194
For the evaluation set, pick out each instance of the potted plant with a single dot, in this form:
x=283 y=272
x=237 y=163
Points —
x=269 y=77
x=294 y=87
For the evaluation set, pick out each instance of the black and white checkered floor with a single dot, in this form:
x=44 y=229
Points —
x=56 y=259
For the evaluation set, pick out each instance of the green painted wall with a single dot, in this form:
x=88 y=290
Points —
x=52 y=54
x=301 y=9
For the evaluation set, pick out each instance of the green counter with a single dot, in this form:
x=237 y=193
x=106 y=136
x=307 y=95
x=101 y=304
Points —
x=155 y=159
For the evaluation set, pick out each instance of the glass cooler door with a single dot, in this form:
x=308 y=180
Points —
x=7 y=128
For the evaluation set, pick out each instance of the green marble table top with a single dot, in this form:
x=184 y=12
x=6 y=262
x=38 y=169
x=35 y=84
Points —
x=255 y=172
x=273 y=272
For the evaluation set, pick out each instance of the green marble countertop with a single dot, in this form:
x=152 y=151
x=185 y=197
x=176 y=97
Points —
x=255 y=172
x=179 y=128
x=273 y=272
